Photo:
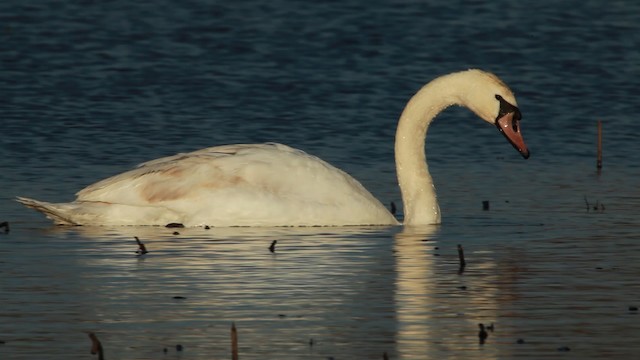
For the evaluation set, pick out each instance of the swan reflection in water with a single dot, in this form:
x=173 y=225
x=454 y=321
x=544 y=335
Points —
x=438 y=307
x=384 y=284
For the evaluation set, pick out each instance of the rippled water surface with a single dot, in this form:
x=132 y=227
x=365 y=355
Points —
x=89 y=89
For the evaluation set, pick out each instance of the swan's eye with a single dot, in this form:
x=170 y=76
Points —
x=506 y=108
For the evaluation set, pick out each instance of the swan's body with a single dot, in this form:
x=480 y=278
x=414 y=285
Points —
x=275 y=185
x=233 y=185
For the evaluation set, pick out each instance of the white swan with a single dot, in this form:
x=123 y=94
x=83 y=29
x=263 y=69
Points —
x=275 y=185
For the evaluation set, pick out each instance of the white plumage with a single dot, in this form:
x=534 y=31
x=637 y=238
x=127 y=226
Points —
x=233 y=185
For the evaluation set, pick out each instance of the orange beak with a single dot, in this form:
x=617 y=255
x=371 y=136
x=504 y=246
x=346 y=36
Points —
x=509 y=126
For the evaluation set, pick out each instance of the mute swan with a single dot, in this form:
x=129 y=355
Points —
x=275 y=185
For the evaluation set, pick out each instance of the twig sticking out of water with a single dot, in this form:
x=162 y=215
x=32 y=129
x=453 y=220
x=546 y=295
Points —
x=141 y=248
x=482 y=334
x=5 y=225
x=597 y=207
x=96 y=346
x=272 y=247
x=463 y=263
x=234 y=342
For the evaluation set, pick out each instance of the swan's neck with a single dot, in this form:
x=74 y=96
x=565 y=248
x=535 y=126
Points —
x=418 y=191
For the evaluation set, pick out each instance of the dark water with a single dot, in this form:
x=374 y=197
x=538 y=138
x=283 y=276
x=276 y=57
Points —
x=89 y=89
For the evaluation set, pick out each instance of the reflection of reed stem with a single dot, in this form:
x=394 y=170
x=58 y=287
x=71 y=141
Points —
x=586 y=202
x=234 y=342
x=599 y=162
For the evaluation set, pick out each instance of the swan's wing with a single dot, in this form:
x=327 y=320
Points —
x=173 y=177
x=245 y=171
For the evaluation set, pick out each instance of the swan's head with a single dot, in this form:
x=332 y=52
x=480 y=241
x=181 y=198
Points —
x=492 y=100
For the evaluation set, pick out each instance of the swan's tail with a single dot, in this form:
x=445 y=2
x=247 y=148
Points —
x=55 y=212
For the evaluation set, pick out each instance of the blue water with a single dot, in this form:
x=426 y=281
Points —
x=90 y=89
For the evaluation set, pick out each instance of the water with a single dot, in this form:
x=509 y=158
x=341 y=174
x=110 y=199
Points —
x=91 y=89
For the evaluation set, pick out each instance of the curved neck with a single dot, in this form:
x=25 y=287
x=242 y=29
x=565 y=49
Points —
x=418 y=191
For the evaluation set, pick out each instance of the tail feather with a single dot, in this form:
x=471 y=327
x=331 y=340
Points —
x=51 y=211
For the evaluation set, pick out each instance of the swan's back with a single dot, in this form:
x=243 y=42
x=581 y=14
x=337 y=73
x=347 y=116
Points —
x=233 y=185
